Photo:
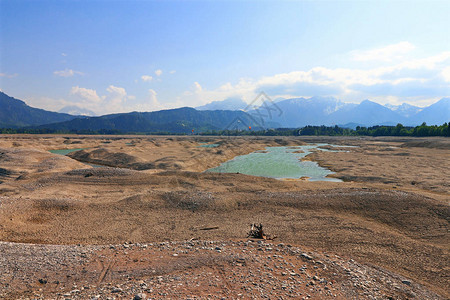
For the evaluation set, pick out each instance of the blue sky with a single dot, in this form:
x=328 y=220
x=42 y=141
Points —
x=118 y=56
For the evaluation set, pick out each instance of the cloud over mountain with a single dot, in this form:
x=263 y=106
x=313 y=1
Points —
x=396 y=79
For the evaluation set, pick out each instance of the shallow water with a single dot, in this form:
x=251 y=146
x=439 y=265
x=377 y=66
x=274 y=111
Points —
x=65 y=151
x=278 y=162
x=209 y=145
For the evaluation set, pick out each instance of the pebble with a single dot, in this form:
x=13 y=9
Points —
x=407 y=282
x=305 y=255
x=139 y=296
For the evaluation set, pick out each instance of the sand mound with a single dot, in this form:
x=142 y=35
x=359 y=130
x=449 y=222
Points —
x=440 y=144
x=104 y=157
x=5 y=174
x=21 y=162
x=101 y=172
x=109 y=158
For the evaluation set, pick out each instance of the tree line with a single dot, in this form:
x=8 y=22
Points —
x=379 y=130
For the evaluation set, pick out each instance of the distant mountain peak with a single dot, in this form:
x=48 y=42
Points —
x=77 y=111
x=233 y=103
x=404 y=109
x=369 y=102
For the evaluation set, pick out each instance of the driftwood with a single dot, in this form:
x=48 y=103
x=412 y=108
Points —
x=257 y=232
x=209 y=228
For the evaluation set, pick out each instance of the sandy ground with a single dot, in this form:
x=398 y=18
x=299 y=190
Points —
x=391 y=212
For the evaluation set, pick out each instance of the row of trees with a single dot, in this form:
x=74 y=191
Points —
x=399 y=130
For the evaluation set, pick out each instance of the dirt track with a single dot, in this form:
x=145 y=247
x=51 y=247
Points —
x=391 y=212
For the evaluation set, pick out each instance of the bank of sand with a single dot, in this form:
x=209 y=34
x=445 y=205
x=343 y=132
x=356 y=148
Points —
x=392 y=211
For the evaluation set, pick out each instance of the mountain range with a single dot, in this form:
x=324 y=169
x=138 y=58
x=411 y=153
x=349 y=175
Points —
x=227 y=104
x=179 y=120
x=329 y=111
x=228 y=114
x=405 y=109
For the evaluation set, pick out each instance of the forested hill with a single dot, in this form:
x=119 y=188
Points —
x=178 y=121
x=15 y=113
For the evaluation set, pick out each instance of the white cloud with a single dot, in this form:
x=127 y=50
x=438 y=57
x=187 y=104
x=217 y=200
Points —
x=8 y=75
x=117 y=91
x=158 y=72
x=386 y=54
x=146 y=78
x=154 y=103
x=47 y=103
x=198 y=87
x=63 y=54
x=86 y=94
x=67 y=73
x=446 y=74
x=151 y=103
x=116 y=100
x=172 y=72
x=421 y=81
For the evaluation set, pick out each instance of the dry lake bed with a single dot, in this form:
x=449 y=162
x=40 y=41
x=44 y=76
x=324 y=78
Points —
x=161 y=217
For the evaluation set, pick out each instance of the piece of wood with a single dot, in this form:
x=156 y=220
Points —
x=209 y=228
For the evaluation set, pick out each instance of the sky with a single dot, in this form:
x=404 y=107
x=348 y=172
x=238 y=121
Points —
x=121 y=56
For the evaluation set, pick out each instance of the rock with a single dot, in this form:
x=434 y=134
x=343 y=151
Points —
x=304 y=255
x=407 y=282
x=139 y=296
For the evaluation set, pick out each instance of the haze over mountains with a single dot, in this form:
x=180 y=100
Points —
x=77 y=111
x=227 y=104
x=228 y=114
x=299 y=112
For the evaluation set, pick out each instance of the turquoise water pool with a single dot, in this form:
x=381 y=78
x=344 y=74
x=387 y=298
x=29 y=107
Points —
x=209 y=145
x=278 y=162
x=65 y=151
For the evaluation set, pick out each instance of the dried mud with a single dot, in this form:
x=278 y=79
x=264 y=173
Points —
x=391 y=215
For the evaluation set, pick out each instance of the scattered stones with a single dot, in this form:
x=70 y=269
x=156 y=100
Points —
x=206 y=269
